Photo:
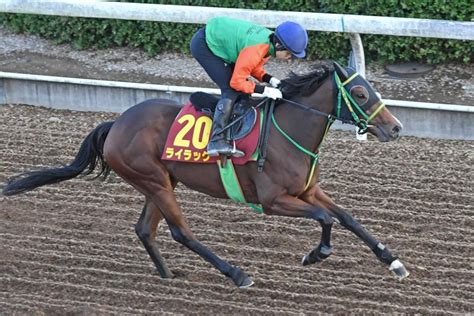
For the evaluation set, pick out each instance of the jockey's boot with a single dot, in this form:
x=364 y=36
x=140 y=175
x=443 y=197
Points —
x=218 y=144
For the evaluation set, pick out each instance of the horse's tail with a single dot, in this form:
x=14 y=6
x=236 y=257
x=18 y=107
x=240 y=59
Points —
x=90 y=154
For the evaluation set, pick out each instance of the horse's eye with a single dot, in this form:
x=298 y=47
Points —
x=360 y=94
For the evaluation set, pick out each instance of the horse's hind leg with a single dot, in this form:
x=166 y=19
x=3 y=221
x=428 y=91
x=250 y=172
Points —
x=181 y=232
x=152 y=179
x=146 y=229
x=133 y=156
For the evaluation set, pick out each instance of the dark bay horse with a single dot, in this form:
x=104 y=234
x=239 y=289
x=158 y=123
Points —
x=133 y=144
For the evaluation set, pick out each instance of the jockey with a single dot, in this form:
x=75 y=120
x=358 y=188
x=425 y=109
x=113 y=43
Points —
x=231 y=51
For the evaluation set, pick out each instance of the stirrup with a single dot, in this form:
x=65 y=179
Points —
x=216 y=151
x=236 y=152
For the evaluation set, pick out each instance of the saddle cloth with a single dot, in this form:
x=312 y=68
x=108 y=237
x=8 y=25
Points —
x=189 y=135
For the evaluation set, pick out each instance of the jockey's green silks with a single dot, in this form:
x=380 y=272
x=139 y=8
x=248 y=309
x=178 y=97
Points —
x=227 y=37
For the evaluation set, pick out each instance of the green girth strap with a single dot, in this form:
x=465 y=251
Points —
x=232 y=186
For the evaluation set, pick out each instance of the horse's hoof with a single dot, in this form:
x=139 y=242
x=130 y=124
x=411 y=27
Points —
x=316 y=255
x=247 y=282
x=305 y=260
x=241 y=279
x=169 y=276
x=398 y=269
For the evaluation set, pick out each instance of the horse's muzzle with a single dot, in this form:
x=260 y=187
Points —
x=395 y=133
x=386 y=132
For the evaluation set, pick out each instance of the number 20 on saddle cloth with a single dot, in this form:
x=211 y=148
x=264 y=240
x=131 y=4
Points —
x=187 y=142
x=189 y=135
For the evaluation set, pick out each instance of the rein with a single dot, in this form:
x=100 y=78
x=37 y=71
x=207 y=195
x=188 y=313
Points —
x=350 y=103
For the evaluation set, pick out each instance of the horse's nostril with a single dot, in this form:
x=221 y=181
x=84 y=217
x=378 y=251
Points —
x=395 y=131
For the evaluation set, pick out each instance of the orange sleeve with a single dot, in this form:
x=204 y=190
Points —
x=249 y=63
x=259 y=72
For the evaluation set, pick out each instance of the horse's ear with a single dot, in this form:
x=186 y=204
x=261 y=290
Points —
x=341 y=72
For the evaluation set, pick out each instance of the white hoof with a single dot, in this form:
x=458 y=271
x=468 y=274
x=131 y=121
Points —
x=245 y=286
x=305 y=260
x=397 y=268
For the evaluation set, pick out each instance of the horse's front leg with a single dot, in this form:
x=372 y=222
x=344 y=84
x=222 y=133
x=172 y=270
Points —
x=287 y=205
x=316 y=196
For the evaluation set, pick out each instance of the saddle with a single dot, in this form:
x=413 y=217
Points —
x=241 y=121
x=190 y=132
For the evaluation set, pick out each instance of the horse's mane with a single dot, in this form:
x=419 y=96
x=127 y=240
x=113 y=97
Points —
x=306 y=83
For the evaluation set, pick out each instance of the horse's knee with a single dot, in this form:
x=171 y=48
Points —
x=322 y=216
x=178 y=235
x=142 y=232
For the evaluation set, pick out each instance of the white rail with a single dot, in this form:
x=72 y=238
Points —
x=181 y=89
x=352 y=24
x=105 y=83
x=327 y=22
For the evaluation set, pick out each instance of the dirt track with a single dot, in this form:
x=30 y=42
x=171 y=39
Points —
x=71 y=248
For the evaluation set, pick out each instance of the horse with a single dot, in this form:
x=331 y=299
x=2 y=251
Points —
x=132 y=145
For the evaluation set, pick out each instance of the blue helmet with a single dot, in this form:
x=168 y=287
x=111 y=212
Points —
x=294 y=37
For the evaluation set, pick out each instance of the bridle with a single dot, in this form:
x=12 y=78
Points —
x=343 y=94
x=362 y=124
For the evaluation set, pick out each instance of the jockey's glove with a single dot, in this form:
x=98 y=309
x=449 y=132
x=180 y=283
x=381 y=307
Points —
x=272 y=93
x=275 y=82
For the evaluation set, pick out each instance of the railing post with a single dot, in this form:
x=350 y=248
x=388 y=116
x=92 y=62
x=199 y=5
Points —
x=3 y=97
x=357 y=56
x=357 y=61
